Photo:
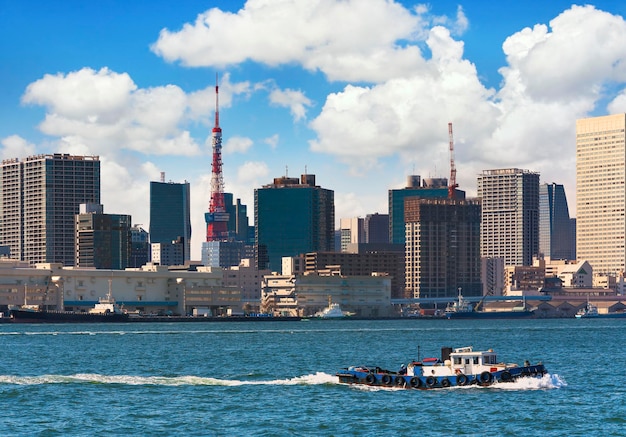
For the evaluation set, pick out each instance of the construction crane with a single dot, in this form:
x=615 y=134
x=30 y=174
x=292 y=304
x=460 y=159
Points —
x=452 y=185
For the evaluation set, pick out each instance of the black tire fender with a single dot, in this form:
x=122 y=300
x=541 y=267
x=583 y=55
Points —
x=415 y=382
x=431 y=381
x=485 y=377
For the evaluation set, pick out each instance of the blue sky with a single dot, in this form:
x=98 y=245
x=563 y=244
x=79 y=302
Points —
x=357 y=92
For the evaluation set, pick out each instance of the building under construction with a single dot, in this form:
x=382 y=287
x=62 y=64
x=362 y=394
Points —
x=442 y=249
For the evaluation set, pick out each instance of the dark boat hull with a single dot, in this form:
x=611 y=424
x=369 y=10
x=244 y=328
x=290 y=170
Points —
x=23 y=316
x=490 y=315
x=392 y=379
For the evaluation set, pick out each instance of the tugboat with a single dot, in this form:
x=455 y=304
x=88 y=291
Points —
x=456 y=367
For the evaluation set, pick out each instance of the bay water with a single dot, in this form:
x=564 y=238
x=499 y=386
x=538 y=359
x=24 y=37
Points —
x=278 y=379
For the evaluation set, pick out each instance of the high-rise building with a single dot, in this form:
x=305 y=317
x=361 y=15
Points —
x=376 y=228
x=510 y=215
x=600 y=195
x=292 y=217
x=442 y=248
x=572 y=236
x=39 y=199
x=352 y=232
x=431 y=188
x=102 y=240
x=170 y=218
x=139 y=247
x=554 y=223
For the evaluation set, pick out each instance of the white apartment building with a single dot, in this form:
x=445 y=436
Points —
x=509 y=225
x=600 y=194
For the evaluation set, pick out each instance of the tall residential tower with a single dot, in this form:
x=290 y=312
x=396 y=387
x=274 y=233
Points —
x=510 y=215
x=39 y=199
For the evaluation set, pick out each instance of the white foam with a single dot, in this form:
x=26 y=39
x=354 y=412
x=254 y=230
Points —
x=547 y=381
x=94 y=378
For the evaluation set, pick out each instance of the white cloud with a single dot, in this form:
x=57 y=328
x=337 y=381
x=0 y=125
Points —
x=334 y=37
x=583 y=50
x=86 y=95
x=296 y=101
x=236 y=144
x=252 y=171
x=103 y=111
x=16 y=147
x=618 y=104
x=407 y=115
x=272 y=141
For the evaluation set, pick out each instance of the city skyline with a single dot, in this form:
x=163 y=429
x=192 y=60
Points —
x=306 y=89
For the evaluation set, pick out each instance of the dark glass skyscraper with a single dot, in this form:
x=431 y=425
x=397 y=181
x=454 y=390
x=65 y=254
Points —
x=102 y=240
x=292 y=217
x=170 y=217
x=554 y=223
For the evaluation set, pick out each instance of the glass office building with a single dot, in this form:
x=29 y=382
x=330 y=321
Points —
x=103 y=241
x=170 y=218
x=554 y=223
x=292 y=217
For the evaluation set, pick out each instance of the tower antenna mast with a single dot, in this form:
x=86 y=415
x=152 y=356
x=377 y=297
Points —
x=217 y=217
x=452 y=185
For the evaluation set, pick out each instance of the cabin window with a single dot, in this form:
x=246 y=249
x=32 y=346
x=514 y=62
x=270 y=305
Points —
x=457 y=360
x=467 y=360
x=475 y=360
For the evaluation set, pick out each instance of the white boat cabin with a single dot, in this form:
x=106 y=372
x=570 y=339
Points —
x=457 y=361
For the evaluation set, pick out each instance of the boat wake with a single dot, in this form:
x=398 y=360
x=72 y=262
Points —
x=93 y=378
x=548 y=381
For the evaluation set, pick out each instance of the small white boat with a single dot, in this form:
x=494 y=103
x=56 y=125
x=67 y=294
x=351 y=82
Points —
x=589 y=310
x=332 y=311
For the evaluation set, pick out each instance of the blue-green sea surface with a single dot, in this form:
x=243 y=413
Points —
x=278 y=379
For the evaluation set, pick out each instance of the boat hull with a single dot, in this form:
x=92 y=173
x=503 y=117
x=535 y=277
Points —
x=353 y=376
x=490 y=315
x=24 y=316
x=602 y=316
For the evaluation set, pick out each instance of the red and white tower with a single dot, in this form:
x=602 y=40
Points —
x=217 y=217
